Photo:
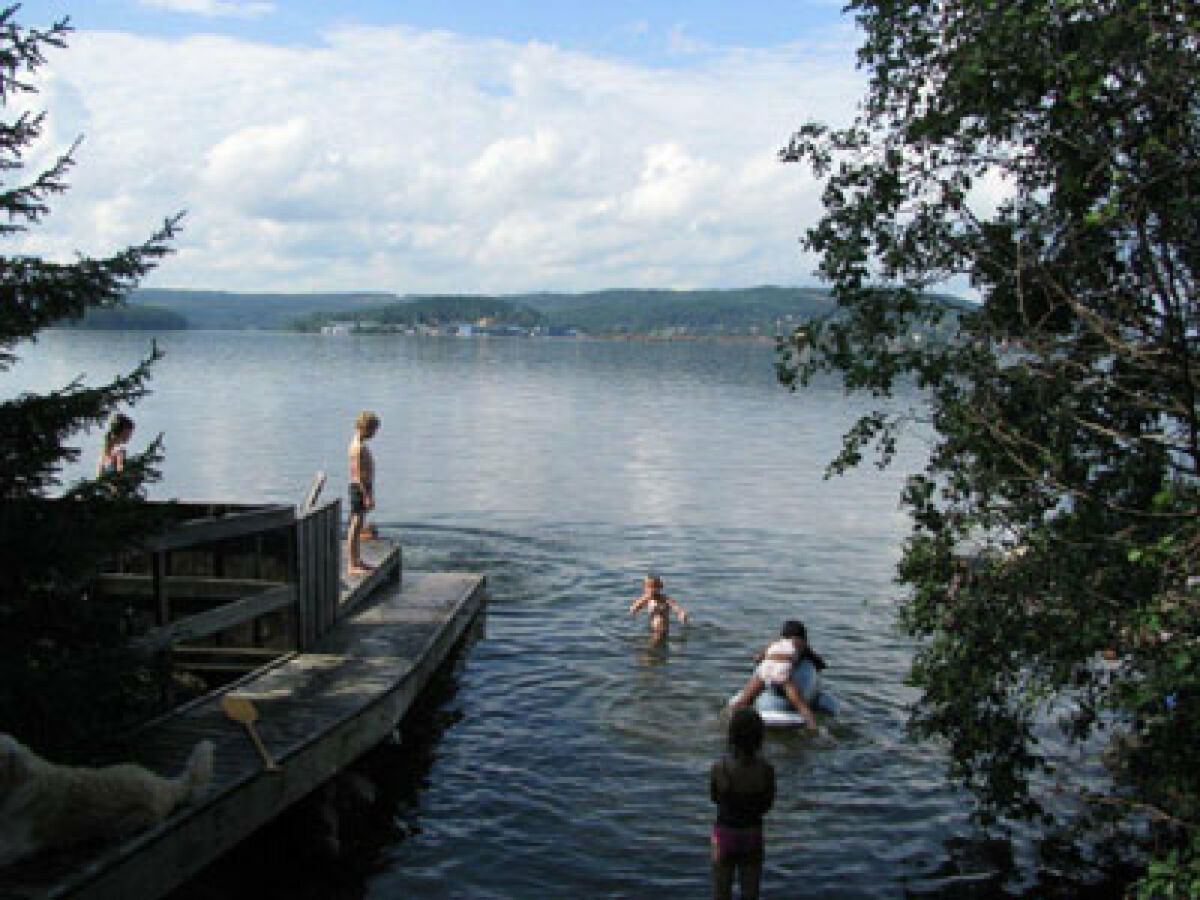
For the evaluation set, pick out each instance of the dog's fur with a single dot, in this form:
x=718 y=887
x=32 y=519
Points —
x=45 y=805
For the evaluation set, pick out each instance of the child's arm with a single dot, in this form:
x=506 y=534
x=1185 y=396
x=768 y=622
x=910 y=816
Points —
x=638 y=604
x=679 y=610
x=793 y=694
x=367 y=475
x=360 y=472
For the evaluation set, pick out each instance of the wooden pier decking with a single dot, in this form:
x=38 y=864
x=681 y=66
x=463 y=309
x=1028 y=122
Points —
x=319 y=709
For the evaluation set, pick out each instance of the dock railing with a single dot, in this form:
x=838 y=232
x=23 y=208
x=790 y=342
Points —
x=225 y=589
x=317 y=563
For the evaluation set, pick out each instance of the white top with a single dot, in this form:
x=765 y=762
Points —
x=777 y=665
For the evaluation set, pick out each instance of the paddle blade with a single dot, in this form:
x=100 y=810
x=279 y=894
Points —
x=239 y=709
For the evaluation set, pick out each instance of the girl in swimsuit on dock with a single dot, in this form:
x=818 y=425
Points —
x=659 y=606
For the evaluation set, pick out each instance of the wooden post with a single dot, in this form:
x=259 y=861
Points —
x=333 y=546
x=159 y=564
x=158 y=568
x=297 y=575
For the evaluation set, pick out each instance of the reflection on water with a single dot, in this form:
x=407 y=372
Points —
x=565 y=755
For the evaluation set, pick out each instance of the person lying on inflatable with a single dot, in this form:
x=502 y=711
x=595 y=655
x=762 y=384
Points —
x=786 y=678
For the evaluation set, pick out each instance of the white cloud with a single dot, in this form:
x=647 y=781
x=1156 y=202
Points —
x=671 y=183
x=402 y=160
x=513 y=168
x=214 y=8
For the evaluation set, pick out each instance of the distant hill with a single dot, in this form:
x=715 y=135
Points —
x=621 y=311
x=432 y=310
x=130 y=318
x=739 y=311
x=229 y=311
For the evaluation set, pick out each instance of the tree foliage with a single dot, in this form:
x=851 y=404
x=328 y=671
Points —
x=1049 y=152
x=61 y=666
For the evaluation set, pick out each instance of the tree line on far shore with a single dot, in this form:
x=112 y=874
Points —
x=130 y=318
x=736 y=311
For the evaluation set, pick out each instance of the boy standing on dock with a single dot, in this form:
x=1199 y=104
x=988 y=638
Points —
x=362 y=488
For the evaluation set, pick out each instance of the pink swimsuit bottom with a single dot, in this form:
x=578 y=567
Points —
x=735 y=844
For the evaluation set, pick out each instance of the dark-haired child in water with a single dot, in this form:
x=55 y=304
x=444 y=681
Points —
x=776 y=665
x=742 y=784
x=659 y=606
x=112 y=457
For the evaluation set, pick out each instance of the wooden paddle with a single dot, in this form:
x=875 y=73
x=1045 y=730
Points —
x=242 y=710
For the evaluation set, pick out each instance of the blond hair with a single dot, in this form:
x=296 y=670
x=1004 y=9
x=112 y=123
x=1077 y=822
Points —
x=366 y=421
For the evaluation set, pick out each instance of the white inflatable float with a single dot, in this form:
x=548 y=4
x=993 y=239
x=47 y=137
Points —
x=777 y=712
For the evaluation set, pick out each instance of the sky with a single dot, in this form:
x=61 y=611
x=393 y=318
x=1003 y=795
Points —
x=415 y=146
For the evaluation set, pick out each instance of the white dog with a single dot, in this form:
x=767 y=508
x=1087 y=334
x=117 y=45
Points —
x=46 y=805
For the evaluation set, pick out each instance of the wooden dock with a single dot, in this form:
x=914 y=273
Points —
x=320 y=708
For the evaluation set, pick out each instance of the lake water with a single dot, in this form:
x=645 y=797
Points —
x=567 y=758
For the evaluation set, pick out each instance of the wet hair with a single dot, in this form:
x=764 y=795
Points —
x=366 y=421
x=118 y=424
x=794 y=628
x=654 y=580
x=746 y=732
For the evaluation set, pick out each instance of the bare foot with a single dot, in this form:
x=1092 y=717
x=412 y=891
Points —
x=359 y=570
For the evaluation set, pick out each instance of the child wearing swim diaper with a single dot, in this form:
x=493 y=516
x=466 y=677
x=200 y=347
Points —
x=659 y=606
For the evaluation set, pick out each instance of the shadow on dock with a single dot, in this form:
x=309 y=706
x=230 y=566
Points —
x=251 y=605
x=375 y=803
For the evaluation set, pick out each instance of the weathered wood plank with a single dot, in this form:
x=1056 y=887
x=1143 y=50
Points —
x=225 y=660
x=313 y=549
x=385 y=557
x=249 y=655
x=162 y=602
x=331 y=570
x=318 y=712
x=184 y=587
x=208 y=530
x=218 y=619
x=333 y=574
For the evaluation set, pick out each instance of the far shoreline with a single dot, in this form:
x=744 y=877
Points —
x=631 y=338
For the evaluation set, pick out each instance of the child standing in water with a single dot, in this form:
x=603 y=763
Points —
x=362 y=488
x=659 y=606
x=742 y=784
x=112 y=458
